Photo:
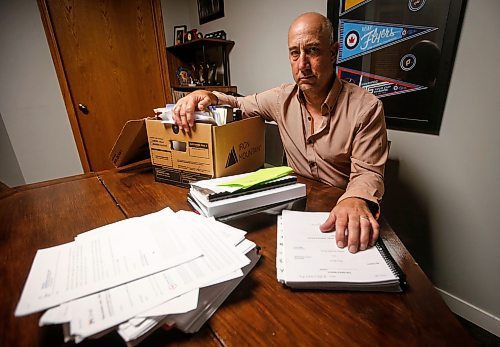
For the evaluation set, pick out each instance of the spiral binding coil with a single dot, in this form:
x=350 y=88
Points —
x=395 y=269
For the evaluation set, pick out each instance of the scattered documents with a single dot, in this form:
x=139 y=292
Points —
x=133 y=275
x=106 y=257
x=306 y=258
x=210 y=298
x=214 y=198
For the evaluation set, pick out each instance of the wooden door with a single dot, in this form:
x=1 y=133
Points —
x=110 y=58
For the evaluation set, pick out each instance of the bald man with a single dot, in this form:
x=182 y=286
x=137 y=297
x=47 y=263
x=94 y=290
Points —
x=332 y=131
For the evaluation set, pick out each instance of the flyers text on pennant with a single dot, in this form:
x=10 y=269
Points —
x=378 y=85
x=349 y=5
x=357 y=38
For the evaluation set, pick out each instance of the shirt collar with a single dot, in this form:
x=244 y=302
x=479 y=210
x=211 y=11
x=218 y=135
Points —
x=331 y=98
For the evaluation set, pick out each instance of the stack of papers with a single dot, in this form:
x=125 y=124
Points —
x=216 y=115
x=233 y=196
x=137 y=274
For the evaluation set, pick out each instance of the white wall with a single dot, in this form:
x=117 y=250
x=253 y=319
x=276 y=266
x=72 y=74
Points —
x=453 y=177
x=442 y=196
x=31 y=104
x=259 y=58
x=175 y=13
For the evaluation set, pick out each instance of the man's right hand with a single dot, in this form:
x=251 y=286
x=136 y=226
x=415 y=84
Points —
x=186 y=106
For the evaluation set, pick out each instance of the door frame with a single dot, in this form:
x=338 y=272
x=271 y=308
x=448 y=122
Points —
x=62 y=78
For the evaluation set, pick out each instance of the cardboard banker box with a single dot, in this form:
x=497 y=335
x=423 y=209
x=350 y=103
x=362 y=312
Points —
x=208 y=151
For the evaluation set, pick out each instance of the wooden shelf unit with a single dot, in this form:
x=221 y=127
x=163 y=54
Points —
x=198 y=51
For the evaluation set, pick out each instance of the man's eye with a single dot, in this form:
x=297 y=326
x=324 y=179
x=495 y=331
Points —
x=313 y=50
x=294 y=54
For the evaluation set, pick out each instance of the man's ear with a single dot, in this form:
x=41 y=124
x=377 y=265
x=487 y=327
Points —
x=334 y=50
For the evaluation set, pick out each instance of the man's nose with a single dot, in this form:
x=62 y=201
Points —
x=303 y=61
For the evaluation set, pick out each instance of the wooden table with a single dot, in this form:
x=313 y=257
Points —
x=260 y=312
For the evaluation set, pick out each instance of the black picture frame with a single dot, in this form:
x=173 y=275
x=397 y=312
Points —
x=179 y=34
x=420 y=107
x=209 y=10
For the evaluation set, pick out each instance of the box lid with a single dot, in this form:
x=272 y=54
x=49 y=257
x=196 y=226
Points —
x=131 y=145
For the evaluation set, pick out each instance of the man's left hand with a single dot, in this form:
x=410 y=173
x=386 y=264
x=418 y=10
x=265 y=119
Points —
x=355 y=225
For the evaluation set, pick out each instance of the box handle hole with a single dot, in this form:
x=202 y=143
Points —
x=178 y=145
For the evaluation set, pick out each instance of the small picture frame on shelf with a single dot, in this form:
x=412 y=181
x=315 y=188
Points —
x=179 y=33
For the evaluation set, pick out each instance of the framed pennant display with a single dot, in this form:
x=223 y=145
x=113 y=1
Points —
x=402 y=52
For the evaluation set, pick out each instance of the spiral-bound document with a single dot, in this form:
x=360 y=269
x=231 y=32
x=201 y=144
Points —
x=307 y=258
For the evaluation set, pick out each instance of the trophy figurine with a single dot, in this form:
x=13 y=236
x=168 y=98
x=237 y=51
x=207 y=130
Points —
x=212 y=73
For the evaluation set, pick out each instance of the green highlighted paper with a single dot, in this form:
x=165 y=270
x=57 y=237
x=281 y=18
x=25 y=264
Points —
x=259 y=176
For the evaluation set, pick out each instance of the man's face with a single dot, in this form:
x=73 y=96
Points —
x=311 y=55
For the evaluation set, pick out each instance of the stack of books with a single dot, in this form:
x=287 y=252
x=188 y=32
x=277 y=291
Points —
x=138 y=274
x=220 y=199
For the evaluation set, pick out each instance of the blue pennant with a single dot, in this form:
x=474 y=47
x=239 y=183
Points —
x=358 y=38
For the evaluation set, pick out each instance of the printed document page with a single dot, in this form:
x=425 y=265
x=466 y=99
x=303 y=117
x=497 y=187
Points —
x=98 y=312
x=107 y=309
x=118 y=253
x=313 y=256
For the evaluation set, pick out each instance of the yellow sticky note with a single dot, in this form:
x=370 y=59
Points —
x=259 y=176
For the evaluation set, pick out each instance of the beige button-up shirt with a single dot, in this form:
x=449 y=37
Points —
x=349 y=148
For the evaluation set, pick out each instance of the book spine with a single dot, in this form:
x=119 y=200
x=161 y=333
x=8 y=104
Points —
x=270 y=197
x=192 y=202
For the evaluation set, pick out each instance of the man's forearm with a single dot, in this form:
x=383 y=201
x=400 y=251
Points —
x=224 y=99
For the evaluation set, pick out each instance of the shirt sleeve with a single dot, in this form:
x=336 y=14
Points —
x=264 y=104
x=369 y=154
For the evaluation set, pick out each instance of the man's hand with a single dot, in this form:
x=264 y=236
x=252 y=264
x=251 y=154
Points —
x=352 y=217
x=185 y=107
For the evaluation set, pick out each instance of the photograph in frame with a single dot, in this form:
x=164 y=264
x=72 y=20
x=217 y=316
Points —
x=209 y=10
x=179 y=33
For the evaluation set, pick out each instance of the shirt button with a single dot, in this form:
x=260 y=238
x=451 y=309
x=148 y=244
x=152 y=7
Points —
x=308 y=118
